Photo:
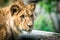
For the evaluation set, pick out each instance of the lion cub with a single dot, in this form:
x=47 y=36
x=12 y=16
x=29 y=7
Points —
x=15 y=18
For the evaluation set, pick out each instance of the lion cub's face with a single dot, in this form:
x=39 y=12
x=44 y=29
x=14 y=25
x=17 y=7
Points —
x=23 y=16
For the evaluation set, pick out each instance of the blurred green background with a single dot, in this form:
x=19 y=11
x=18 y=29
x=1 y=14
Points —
x=44 y=21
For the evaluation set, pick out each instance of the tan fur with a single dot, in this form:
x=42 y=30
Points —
x=15 y=18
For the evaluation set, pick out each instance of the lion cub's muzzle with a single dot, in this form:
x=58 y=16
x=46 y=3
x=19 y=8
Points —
x=30 y=27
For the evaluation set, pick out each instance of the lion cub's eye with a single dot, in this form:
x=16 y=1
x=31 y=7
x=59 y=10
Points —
x=31 y=16
x=22 y=16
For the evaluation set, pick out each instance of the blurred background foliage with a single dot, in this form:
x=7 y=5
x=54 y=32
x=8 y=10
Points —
x=45 y=19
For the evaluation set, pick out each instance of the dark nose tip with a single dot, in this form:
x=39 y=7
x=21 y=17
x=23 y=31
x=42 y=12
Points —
x=30 y=26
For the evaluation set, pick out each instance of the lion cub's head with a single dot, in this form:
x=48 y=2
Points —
x=23 y=15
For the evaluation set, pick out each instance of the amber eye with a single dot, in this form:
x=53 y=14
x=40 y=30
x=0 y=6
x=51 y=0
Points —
x=31 y=16
x=22 y=16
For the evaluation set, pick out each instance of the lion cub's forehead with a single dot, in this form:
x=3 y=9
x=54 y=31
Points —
x=25 y=12
x=28 y=12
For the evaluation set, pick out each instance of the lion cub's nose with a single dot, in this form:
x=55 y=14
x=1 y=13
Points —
x=30 y=26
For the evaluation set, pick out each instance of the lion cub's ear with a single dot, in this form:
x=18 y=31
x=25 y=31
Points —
x=31 y=6
x=14 y=9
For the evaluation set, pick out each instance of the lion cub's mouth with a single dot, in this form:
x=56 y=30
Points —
x=27 y=31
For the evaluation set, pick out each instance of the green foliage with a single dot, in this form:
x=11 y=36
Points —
x=43 y=23
x=48 y=5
